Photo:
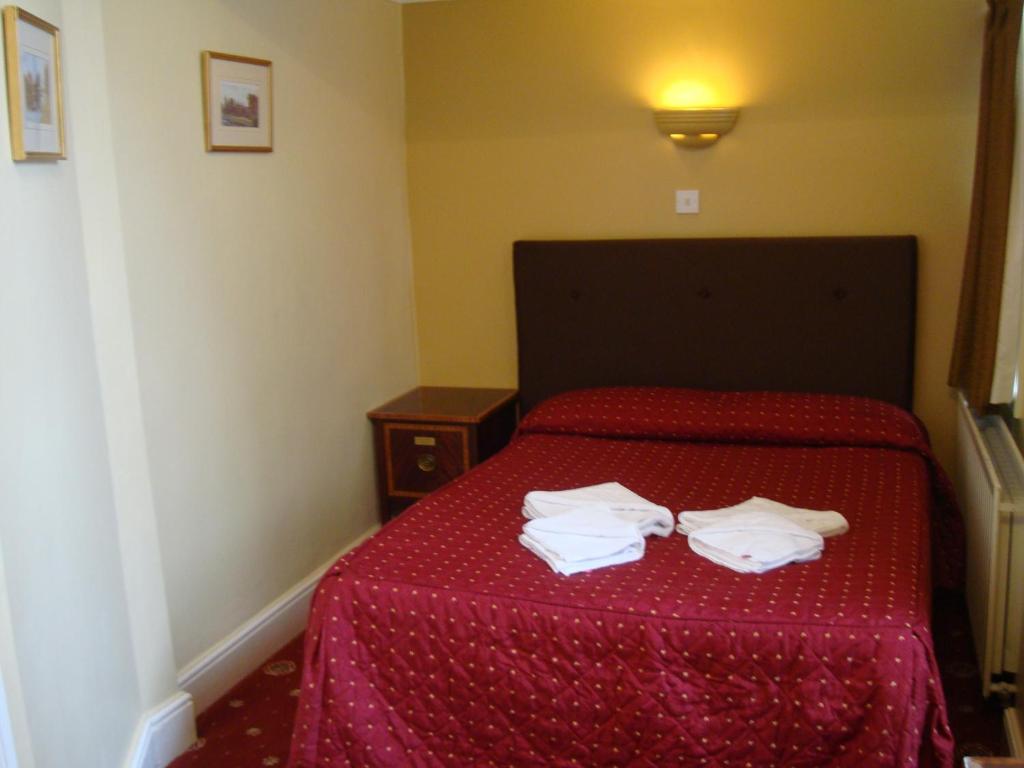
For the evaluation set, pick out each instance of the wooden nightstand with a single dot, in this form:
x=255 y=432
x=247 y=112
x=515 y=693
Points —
x=431 y=435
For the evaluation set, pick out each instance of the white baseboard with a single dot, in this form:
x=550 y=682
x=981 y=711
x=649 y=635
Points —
x=163 y=733
x=212 y=673
x=1014 y=730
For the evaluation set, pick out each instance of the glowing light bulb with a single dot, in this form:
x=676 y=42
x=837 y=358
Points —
x=688 y=93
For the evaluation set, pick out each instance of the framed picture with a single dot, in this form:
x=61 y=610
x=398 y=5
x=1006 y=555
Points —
x=237 y=103
x=36 y=107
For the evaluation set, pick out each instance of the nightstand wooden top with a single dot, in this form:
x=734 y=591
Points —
x=465 y=405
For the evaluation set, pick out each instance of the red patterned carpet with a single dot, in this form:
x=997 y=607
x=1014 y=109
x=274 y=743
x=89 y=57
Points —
x=977 y=724
x=252 y=724
x=250 y=727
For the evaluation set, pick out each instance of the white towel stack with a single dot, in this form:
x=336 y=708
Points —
x=582 y=539
x=823 y=521
x=615 y=497
x=755 y=542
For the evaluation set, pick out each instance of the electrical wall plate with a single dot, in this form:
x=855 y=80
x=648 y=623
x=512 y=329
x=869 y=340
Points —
x=687 y=201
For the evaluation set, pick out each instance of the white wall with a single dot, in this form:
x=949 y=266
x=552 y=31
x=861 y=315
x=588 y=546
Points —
x=271 y=294
x=72 y=652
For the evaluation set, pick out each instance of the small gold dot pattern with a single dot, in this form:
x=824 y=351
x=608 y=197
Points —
x=442 y=641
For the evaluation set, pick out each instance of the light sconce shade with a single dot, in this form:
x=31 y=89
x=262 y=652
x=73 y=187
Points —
x=695 y=127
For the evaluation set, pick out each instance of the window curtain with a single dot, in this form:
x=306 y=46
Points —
x=977 y=330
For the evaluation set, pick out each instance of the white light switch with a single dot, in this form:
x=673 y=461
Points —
x=687 y=201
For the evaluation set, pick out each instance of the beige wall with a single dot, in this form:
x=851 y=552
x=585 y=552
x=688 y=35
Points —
x=271 y=293
x=67 y=651
x=92 y=147
x=531 y=119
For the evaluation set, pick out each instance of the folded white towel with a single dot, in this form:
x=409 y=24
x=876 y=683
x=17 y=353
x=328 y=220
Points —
x=583 y=539
x=823 y=521
x=624 y=503
x=755 y=542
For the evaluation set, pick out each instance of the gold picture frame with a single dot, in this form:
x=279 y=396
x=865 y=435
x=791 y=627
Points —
x=34 y=86
x=237 y=103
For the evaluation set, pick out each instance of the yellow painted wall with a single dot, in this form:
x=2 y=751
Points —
x=531 y=119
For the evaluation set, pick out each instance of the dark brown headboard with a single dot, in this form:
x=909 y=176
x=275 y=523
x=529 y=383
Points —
x=814 y=314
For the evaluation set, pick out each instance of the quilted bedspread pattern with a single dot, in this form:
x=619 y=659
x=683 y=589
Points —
x=443 y=642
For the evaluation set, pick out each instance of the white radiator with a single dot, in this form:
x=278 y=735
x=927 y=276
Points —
x=990 y=485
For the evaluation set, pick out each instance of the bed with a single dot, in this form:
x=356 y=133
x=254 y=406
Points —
x=441 y=641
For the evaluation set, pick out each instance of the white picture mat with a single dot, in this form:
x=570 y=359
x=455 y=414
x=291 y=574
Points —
x=239 y=73
x=36 y=136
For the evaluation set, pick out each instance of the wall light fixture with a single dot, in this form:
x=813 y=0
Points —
x=695 y=127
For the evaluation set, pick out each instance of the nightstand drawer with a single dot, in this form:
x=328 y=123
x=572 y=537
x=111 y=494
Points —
x=420 y=458
x=431 y=435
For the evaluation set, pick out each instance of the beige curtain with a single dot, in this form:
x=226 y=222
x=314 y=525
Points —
x=977 y=328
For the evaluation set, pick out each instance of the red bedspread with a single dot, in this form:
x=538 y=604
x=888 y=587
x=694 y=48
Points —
x=442 y=641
